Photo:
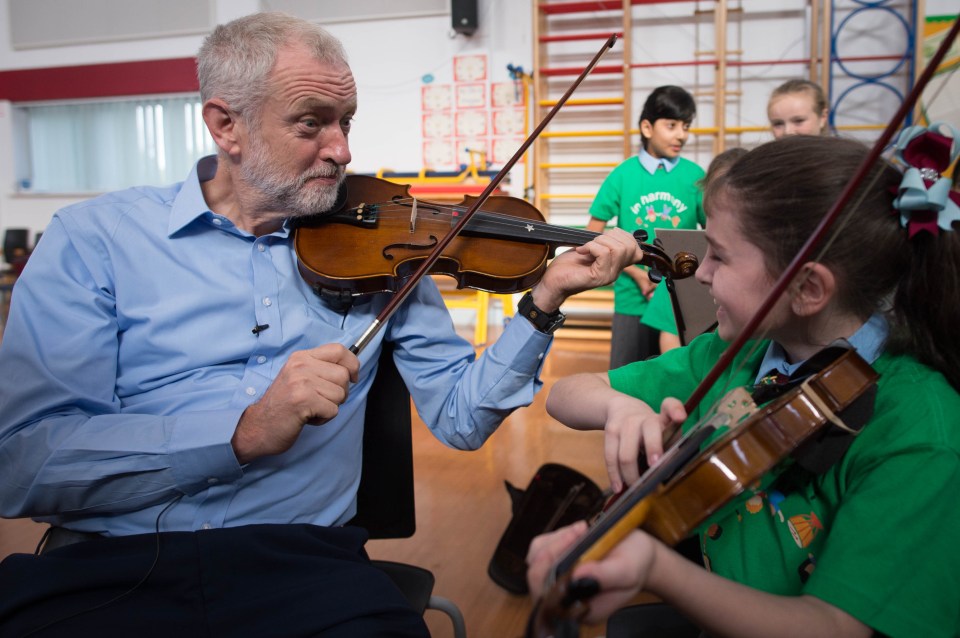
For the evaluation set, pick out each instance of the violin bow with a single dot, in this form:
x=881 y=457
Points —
x=619 y=523
x=437 y=251
x=823 y=227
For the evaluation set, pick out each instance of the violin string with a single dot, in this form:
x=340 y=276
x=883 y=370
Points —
x=399 y=209
x=841 y=224
x=495 y=220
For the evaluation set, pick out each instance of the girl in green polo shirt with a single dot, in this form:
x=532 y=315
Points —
x=865 y=543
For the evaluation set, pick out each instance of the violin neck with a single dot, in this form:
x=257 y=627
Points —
x=498 y=226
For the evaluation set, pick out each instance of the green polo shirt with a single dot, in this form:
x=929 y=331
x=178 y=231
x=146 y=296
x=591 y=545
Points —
x=640 y=199
x=875 y=534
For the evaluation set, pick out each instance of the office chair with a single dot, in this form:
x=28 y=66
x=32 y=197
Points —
x=385 y=499
x=16 y=248
x=652 y=620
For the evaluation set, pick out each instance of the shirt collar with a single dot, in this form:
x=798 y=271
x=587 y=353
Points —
x=868 y=341
x=190 y=205
x=651 y=163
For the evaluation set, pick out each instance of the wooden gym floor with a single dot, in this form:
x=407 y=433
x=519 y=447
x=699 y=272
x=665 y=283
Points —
x=462 y=504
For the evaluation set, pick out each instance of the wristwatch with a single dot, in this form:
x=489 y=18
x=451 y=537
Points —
x=545 y=322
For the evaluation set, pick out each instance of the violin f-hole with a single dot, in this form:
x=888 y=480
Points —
x=386 y=249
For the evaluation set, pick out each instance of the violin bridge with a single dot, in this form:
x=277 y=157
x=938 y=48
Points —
x=737 y=404
x=413 y=216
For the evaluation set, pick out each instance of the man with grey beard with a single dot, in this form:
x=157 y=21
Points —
x=186 y=413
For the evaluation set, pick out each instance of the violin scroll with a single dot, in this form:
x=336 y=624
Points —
x=378 y=235
x=681 y=266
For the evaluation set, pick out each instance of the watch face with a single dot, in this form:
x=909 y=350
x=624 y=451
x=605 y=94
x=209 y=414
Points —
x=547 y=323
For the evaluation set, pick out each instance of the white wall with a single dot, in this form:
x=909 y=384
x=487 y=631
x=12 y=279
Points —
x=389 y=59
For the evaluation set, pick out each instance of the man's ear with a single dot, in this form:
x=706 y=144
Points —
x=223 y=124
x=813 y=289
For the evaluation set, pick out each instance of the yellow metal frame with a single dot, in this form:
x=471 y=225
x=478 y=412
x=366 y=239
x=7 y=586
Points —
x=470 y=173
x=479 y=302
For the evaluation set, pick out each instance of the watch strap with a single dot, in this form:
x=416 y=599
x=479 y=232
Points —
x=546 y=322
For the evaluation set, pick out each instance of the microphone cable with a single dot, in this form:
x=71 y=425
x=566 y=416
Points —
x=153 y=565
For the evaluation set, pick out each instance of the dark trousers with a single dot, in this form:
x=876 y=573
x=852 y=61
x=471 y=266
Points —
x=258 y=580
x=631 y=340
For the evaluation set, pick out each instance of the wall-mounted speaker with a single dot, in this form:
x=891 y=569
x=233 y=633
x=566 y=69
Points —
x=463 y=14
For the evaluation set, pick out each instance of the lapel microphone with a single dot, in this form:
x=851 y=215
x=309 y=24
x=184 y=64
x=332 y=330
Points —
x=257 y=329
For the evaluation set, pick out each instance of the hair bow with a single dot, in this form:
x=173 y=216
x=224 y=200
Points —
x=925 y=199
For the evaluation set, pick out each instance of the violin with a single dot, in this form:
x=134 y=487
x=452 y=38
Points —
x=672 y=499
x=379 y=236
x=646 y=504
x=427 y=261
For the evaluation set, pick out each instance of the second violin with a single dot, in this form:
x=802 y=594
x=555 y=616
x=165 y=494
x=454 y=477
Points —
x=690 y=484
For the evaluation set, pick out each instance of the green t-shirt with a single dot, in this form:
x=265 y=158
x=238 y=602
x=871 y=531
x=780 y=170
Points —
x=665 y=199
x=874 y=535
x=659 y=313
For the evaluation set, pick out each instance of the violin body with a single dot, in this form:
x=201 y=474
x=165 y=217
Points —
x=378 y=236
x=688 y=485
x=746 y=452
x=378 y=239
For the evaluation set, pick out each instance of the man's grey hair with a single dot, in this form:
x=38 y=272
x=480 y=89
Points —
x=235 y=60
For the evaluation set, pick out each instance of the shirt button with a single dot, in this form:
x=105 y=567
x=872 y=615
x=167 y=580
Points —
x=217 y=221
x=267 y=301
x=261 y=247
x=251 y=391
x=261 y=359
x=540 y=356
x=206 y=526
x=212 y=481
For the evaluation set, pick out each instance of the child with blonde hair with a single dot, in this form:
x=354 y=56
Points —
x=853 y=541
x=797 y=107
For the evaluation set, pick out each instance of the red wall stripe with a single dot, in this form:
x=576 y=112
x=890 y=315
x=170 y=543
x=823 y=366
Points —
x=177 y=75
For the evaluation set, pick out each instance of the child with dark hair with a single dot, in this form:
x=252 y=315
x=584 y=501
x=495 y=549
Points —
x=654 y=189
x=854 y=541
x=659 y=314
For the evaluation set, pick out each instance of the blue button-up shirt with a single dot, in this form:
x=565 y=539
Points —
x=129 y=357
x=868 y=341
x=651 y=163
